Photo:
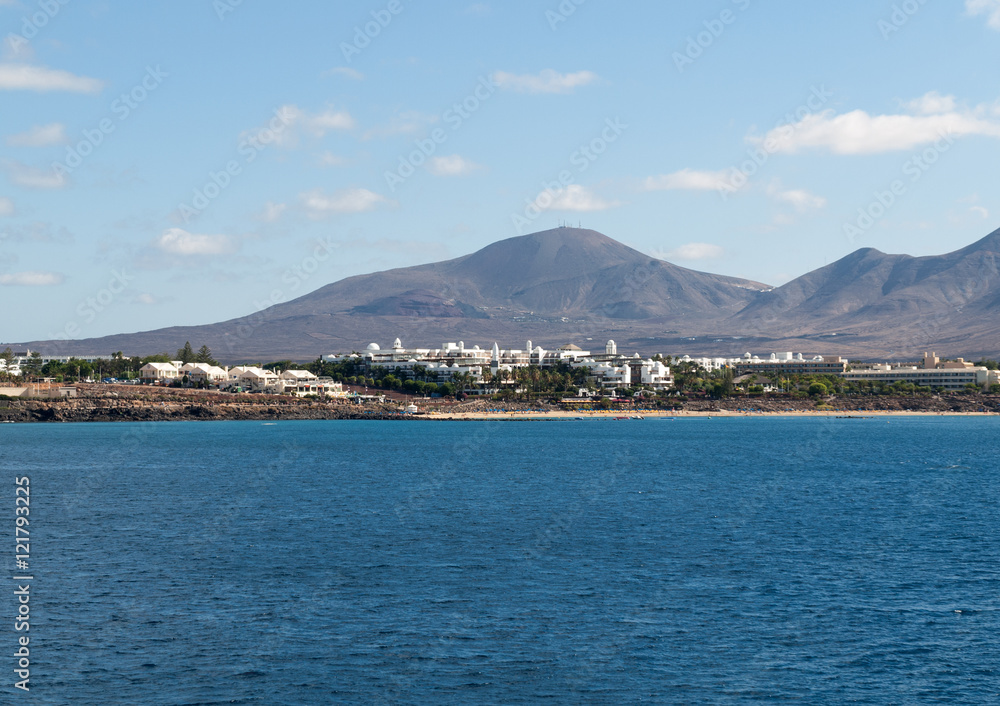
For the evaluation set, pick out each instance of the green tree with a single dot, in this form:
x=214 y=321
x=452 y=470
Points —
x=186 y=354
x=817 y=389
x=33 y=365
x=205 y=356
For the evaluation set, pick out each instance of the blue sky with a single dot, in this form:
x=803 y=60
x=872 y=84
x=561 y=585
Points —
x=185 y=162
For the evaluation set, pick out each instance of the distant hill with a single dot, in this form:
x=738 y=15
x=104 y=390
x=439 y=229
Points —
x=573 y=285
x=896 y=303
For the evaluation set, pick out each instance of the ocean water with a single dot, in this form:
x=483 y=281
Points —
x=696 y=561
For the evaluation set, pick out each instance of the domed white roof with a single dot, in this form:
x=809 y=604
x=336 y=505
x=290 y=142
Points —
x=373 y=347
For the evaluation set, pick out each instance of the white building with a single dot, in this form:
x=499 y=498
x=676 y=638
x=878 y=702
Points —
x=158 y=372
x=258 y=380
x=203 y=372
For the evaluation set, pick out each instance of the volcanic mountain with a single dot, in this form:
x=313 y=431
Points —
x=896 y=303
x=578 y=286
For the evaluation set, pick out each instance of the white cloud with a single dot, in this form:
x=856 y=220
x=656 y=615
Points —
x=573 y=198
x=346 y=72
x=981 y=211
x=547 y=81
x=479 y=8
x=453 y=165
x=405 y=123
x=799 y=198
x=25 y=77
x=319 y=124
x=33 y=177
x=932 y=103
x=689 y=179
x=39 y=136
x=31 y=279
x=991 y=8
x=343 y=201
x=292 y=121
x=692 y=251
x=858 y=132
x=329 y=159
x=272 y=212
x=38 y=232
x=179 y=242
x=6 y=207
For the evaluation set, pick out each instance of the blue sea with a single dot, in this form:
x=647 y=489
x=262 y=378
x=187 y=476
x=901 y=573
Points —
x=695 y=561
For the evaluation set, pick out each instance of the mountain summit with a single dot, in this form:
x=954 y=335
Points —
x=574 y=285
x=566 y=272
x=896 y=302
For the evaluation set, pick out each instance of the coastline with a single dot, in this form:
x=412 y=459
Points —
x=722 y=414
x=97 y=403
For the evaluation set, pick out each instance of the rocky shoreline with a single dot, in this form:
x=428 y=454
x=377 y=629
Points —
x=103 y=404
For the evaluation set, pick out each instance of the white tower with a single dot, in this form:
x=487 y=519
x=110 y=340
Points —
x=611 y=348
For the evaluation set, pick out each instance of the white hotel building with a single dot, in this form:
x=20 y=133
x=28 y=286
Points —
x=609 y=369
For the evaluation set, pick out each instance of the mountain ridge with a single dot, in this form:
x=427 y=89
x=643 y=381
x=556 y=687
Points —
x=573 y=285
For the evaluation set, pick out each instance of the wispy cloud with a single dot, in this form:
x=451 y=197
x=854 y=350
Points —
x=688 y=179
x=346 y=72
x=453 y=165
x=573 y=198
x=6 y=207
x=26 y=77
x=38 y=232
x=405 y=123
x=329 y=159
x=295 y=122
x=933 y=116
x=547 y=81
x=479 y=8
x=39 y=136
x=344 y=201
x=31 y=279
x=176 y=241
x=799 y=198
x=34 y=177
x=272 y=212
x=990 y=8
x=691 y=251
